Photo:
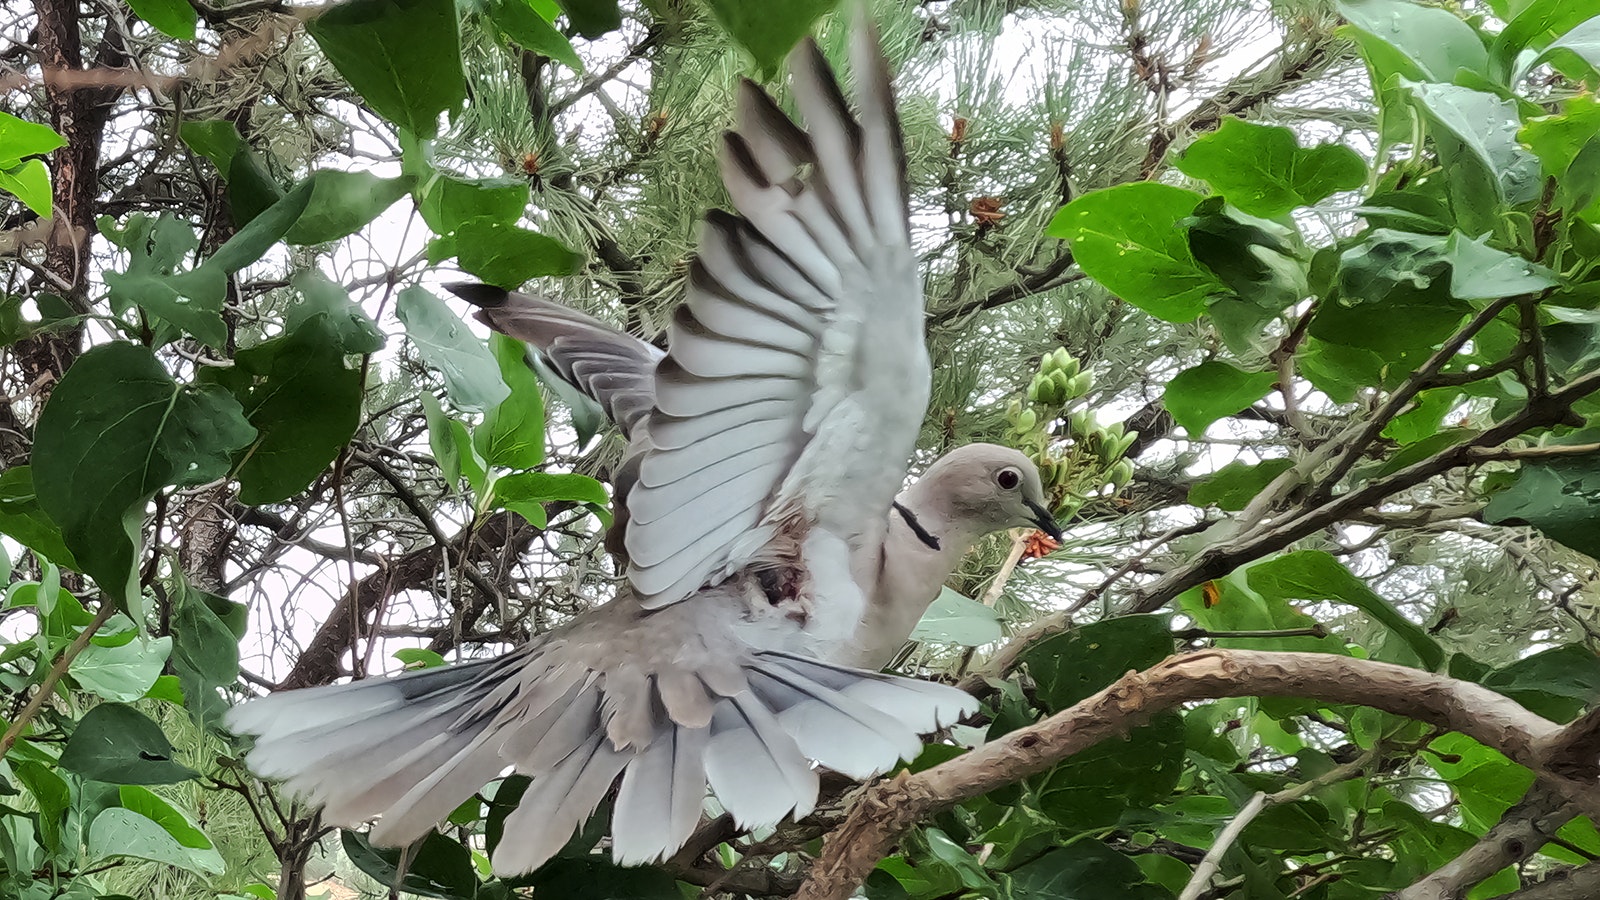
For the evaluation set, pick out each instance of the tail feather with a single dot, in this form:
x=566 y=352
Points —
x=408 y=749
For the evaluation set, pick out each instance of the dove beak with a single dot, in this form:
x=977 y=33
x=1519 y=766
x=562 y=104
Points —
x=1045 y=521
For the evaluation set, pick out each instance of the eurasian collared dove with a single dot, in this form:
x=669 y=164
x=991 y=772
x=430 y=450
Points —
x=761 y=531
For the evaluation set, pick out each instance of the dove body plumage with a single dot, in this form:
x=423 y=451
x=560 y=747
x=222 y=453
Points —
x=764 y=556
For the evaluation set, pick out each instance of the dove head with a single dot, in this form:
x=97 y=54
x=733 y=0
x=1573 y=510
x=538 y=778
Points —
x=986 y=487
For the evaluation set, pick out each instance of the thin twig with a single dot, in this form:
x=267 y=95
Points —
x=58 y=669
x=1208 y=867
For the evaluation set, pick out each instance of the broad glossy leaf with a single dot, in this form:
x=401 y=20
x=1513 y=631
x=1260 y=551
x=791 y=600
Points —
x=28 y=181
x=955 y=619
x=1423 y=420
x=1314 y=575
x=355 y=330
x=171 y=819
x=507 y=256
x=402 y=56
x=531 y=31
x=342 y=203
x=1568 y=147
x=173 y=18
x=251 y=188
x=436 y=866
x=23 y=520
x=50 y=794
x=1485 y=127
x=304 y=404
x=441 y=441
x=1576 y=53
x=471 y=374
x=19 y=138
x=1128 y=238
x=1084 y=870
x=1231 y=604
x=1481 y=272
x=116 y=743
x=205 y=652
x=123 y=832
x=419 y=658
x=768 y=30
x=1560 y=498
x=1199 y=396
x=592 y=18
x=1420 y=42
x=1093 y=788
x=116 y=430
x=1533 y=27
x=447 y=202
x=125 y=672
x=1264 y=171
x=1233 y=486
x=1558 y=683
x=1071 y=666
x=527 y=492
x=155 y=281
x=511 y=435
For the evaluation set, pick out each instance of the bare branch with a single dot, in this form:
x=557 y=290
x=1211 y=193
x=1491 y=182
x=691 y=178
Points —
x=889 y=807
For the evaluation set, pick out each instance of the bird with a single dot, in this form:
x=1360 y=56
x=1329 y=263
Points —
x=761 y=518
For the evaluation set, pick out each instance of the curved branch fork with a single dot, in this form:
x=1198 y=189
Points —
x=1568 y=757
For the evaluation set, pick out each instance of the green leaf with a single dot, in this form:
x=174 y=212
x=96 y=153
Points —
x=20 y=138
x=173 y=18
x=1481 y=272
x=1568 y=147
x=1423 y=420
x=171 y=819
x=29 y=181
x=436 y=866
x=1558 y=683
x=50 y=793
x=507 y=256
x=592 y=18
x=355 y=330
x=1093 y=789
x=342 y=203
x=470 y=372
x=1420 y=42
x=597 y=878
x=768 y=30
x=1233 y=486
x=116 y=743
x=1128 y=238
x=447 y=202
x=1561 y=498
x=116 y=430
x=254 y=239
x=251 y=188
x=205 y=651
x=955 y=619
x=124 y=832
x=1265 y=172
x=304 y=404
x=1230 y=604
x=1084 y=870
x=125 y=672
x=531 y=31
x=419 y=658
x=156 y=248
x=1576 y=53
x=1484 y=131
x=1199 y=396
x=547 y=487
x=1315 y=575
x=512 y=434
x=441 y=441
x=402 y=56
x=1534 y=27
x=1072 y=666
x=22 y=519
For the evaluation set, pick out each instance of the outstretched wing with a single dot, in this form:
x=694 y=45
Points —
x=615 y=369
x=796 y=378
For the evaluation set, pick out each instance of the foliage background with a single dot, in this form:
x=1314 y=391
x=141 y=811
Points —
x=247 y=447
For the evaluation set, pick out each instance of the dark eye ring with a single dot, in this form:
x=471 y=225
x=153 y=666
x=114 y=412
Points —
x=1008 y=478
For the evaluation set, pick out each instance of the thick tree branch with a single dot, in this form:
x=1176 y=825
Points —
x=888 y=808
x=1520 y=833
x=1582 y=883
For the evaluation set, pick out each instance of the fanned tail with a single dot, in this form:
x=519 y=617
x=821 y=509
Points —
x=407 y=750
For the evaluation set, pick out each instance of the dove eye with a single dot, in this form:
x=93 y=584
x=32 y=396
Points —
x=1008 y=478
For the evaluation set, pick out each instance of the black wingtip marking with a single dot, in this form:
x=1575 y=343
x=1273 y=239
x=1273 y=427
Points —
x=485 y=296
